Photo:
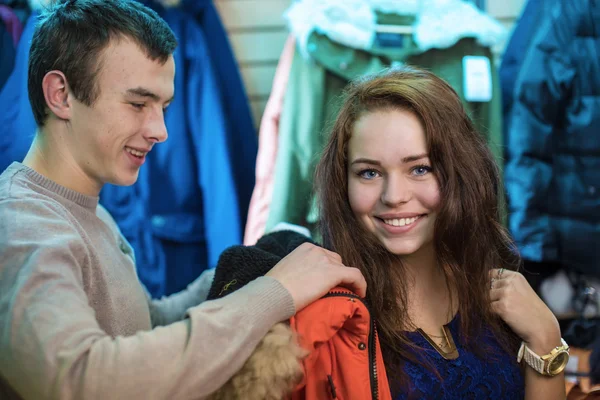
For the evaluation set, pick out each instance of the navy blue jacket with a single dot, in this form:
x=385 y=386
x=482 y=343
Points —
x=516 y=49
x=241 y=134
x=17 y=125
x=553 y=168
x=7 y=55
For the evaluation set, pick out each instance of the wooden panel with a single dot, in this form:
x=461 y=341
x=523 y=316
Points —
x=257 y=33
x=249 y=14
x=505 y=8
x=258 y=78
x=258 y=46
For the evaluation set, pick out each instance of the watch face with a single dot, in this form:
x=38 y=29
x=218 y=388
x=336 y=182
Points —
x=558 y=363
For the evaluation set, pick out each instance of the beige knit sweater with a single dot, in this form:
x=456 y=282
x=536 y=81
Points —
x=75 y=322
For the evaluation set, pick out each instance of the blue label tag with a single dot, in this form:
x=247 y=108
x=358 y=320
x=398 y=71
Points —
x=389 y=39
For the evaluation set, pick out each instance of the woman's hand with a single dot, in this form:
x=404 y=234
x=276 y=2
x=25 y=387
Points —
x=515 y=301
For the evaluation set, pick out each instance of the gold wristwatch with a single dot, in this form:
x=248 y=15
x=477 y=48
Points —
x=551 y=364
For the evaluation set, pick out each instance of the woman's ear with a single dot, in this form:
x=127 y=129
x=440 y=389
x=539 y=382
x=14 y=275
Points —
x=56 y=94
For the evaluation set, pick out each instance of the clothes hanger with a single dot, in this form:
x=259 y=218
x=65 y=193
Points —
x=398 y=29
x=392 y=36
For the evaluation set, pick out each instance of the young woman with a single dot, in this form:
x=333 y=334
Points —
x=409 y=194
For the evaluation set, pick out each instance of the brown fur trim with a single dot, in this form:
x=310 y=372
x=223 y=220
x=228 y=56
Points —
x=271 y=372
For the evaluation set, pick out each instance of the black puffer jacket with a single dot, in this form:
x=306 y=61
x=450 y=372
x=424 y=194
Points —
x=553 y=168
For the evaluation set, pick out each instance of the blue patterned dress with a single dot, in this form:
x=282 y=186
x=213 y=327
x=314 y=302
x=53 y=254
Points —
x=497 y=376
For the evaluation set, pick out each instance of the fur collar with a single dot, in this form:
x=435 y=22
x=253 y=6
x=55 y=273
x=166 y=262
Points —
x=275 y=367
x=353 y=23
x=271 y=373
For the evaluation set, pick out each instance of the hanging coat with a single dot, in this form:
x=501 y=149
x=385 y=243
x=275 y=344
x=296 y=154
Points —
x=7 y=55
x=240 y=132
x=258 y=211
x=553 y=166
x=517 y=48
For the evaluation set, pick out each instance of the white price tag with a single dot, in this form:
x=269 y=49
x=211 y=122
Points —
x=477 y=78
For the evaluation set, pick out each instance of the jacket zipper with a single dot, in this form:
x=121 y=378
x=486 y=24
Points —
x=372 y=355
x=372 y=343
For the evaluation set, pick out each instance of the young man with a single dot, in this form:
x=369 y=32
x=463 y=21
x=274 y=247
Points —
x=75 y=322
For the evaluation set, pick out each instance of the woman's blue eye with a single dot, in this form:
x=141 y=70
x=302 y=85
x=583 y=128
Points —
x=368 y=174
x=421 y=170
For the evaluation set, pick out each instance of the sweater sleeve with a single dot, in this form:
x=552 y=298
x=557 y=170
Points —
x=173 y=308
x=53 y=347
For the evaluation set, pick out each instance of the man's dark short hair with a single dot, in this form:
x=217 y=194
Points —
x=71 y=34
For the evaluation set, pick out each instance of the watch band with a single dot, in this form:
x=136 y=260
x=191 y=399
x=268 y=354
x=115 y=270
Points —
x=534 y=360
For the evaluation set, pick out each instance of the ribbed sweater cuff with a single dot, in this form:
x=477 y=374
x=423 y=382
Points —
x=270 y=301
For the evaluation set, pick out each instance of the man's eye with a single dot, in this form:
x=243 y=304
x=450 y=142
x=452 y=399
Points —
x=139 y=106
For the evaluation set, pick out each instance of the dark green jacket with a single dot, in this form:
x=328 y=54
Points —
x=313 y=100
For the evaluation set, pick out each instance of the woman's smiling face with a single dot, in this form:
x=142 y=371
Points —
x=391 y=187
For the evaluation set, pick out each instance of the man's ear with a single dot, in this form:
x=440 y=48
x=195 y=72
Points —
x=56 y=93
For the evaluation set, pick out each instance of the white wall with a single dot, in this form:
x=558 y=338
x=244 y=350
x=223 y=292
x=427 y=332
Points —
x=257 y=33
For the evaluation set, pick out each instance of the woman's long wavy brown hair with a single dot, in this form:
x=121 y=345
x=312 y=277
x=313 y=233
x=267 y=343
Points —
x=469 y=238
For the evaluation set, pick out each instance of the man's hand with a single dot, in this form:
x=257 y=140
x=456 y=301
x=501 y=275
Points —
x=309 y=272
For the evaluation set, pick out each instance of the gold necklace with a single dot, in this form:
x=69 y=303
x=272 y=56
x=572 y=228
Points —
x=451 y=353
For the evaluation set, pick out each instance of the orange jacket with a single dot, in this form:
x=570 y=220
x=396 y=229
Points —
x=345 y=360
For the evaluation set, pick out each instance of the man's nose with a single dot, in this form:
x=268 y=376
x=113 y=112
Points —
x=157 y=129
